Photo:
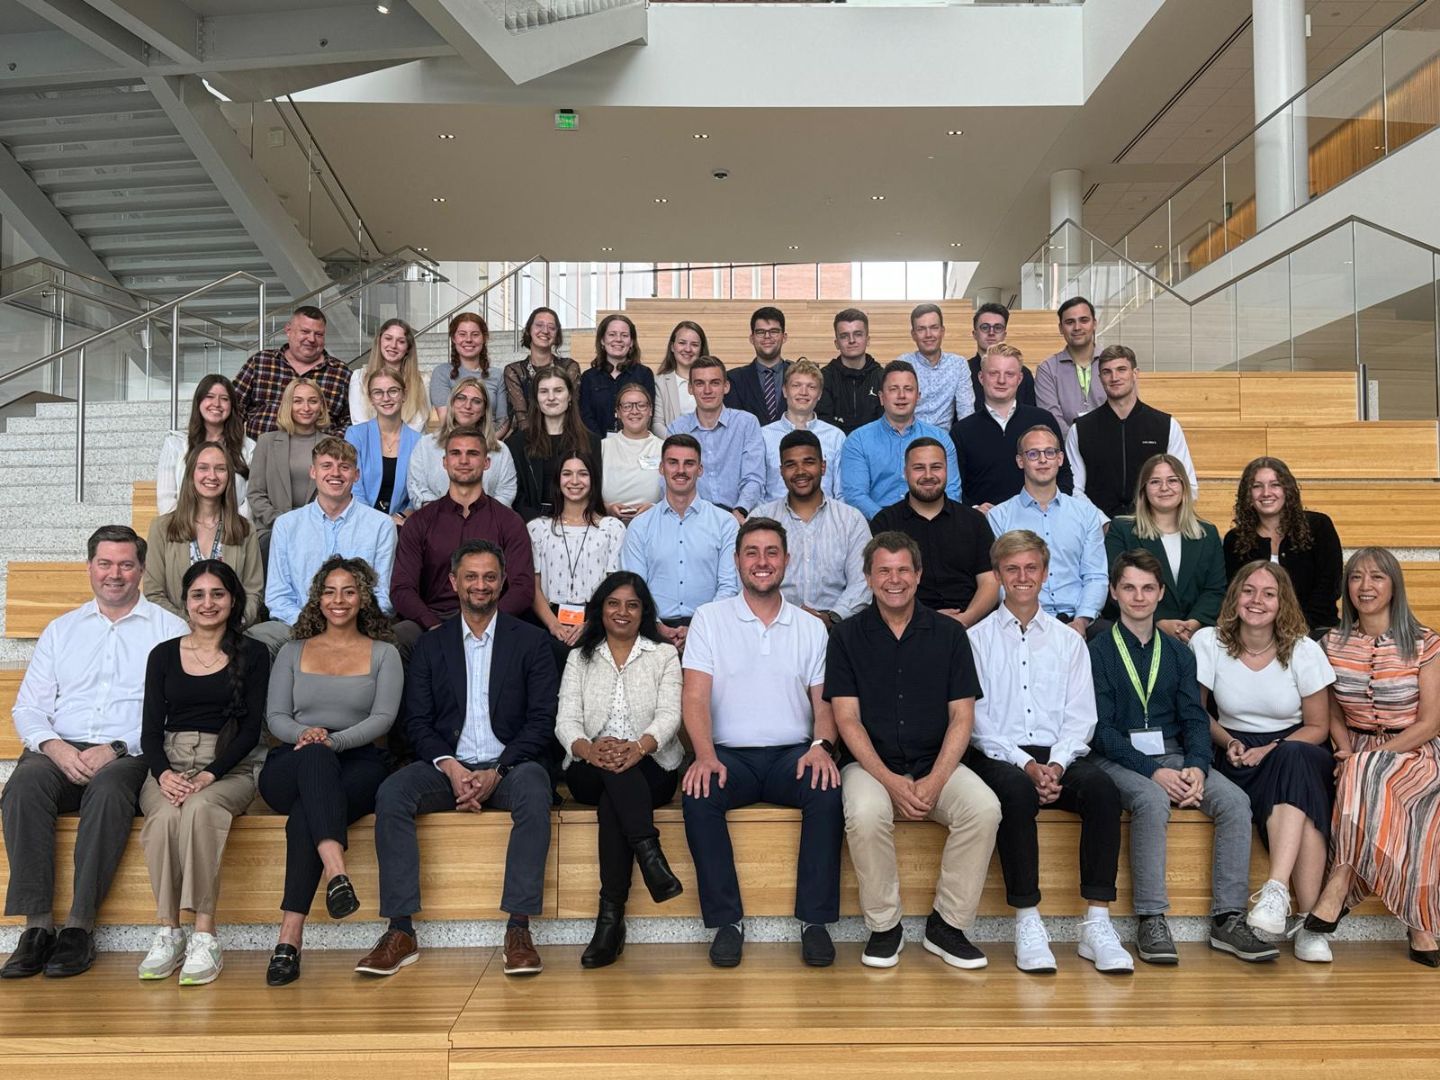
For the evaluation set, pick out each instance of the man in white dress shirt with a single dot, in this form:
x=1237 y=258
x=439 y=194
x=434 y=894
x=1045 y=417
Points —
x=1032 y=734
x=78 y=714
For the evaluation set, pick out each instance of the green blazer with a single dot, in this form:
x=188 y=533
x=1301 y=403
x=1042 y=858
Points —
x=1201 y=588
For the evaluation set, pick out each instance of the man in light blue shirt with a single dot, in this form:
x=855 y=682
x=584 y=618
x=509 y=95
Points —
x=873 y=460
x=682 y=546
x=336 y=523
x=947 y=393
x=803 y=382
x=1070 y=525
x=734 y=474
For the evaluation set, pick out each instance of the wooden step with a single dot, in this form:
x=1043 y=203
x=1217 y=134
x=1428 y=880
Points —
x=1352 y=450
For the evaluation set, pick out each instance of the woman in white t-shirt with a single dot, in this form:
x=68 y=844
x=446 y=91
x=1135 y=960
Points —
x=630 y=457
x=1269 y=680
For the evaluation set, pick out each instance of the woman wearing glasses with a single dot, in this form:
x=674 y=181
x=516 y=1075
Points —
x=383 y=447
x=1188 y=549
x=631 y=457
x=1271 y=523
x=543 y=337
x=617 y=362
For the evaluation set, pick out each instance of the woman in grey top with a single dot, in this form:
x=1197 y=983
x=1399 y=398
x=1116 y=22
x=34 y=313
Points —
x=334 y=692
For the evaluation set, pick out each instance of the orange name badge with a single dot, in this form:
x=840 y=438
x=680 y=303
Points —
x=570 y=615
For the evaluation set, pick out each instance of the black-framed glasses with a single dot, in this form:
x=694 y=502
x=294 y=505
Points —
x=1049 y=453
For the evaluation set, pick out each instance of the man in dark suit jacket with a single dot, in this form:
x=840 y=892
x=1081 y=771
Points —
x=480 y=697
x=748 y=384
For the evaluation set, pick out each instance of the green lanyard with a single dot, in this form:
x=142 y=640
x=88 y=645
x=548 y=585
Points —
x=1082 y=376
x=1143 y=695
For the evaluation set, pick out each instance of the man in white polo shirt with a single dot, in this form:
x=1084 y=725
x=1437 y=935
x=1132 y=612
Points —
x=754 y=676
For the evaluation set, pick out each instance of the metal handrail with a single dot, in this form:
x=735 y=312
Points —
x=12 y=298
x=361 y=232
x=360 y=287
x=464 y=304
x=18 y=267
x=173 y=309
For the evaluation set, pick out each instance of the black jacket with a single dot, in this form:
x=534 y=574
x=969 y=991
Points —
x=850 y=399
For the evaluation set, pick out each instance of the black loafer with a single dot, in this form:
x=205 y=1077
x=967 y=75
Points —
x=340 y=898
x=73 y=955
x=729 y=942
x=816 y=948
x=284 y=965
x=31 y=954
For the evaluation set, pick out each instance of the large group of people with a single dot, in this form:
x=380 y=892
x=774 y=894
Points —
x=928 y=589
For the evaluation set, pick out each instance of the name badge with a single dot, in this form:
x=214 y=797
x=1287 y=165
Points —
x=649 y=462
x=1148 y=742
x=570 y=615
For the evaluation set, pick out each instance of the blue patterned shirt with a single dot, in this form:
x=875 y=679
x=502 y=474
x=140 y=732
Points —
x=947 y=393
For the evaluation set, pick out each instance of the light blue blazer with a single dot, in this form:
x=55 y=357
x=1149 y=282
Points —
x=366 y=440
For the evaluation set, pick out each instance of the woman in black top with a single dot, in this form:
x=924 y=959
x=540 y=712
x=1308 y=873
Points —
x=1271 y=523
x=617 y=362
x=556 y=432
x=204 y=700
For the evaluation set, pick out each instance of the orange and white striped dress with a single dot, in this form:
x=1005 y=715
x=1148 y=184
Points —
x=1387 y=806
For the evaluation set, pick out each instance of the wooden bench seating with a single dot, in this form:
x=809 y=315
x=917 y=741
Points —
x=462 y=858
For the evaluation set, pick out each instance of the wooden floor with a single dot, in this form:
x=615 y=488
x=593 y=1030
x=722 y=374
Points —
x=664 y=1011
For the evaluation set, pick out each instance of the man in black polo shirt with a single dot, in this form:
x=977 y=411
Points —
x=1107 y=446
x=902 y=684
x=954 y=539
x=850 y=390
x=987 y=441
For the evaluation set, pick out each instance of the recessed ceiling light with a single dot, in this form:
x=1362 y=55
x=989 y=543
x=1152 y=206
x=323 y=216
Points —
x=437 y=198
x=699 y=135
x=794 y=247
x=955 y=131
x=422 y=249
x=661 y=199
x=877 y=198
x=954 y=243
x=445 y=136
x=383 y=9
x=607 y=249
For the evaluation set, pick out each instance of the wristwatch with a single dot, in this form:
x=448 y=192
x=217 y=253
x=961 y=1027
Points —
x=827 y=744
x=501 y=770
x=119 y=748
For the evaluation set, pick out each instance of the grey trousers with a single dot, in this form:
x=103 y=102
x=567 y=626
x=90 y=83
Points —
x=273 y=634
x=34 y=796
x=1149 y=807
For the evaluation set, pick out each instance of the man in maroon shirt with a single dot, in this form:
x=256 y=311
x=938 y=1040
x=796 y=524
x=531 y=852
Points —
x=420 y=585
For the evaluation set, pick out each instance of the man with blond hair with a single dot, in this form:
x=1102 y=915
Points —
x=803 y=383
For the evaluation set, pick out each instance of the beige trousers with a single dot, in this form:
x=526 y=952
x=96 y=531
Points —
x=184 y=844
x=967 y=807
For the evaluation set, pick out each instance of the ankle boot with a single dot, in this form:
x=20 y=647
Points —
x=608 y=941
x=659 y=879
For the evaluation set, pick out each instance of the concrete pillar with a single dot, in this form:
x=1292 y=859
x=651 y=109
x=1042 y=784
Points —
x=1281 y=146
x=1067 y=194
x=988 y=296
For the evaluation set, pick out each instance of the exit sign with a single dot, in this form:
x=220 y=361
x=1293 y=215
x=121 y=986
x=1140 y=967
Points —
x=567 y=120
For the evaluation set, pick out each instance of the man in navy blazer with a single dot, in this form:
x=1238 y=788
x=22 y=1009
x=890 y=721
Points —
x=480 y=697
x=749 y=384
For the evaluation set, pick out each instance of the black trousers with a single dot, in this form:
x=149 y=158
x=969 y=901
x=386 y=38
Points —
x=625 y=805
x=324 y=793
x=1084 y=790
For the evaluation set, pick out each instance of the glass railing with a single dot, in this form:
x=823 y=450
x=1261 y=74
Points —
x=1356 y=297
x=1380 y=98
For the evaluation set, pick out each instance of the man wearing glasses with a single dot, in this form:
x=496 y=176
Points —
x=1070 y=525
x=988 y=326
x=759 y=387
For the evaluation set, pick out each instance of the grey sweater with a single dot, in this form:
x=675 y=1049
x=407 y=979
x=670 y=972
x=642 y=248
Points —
x=355 y=709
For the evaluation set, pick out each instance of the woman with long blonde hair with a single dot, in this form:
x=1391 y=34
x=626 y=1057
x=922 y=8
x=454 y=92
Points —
x=467 y=406
x=280 y=474
x=393 y=351
x=383 y=447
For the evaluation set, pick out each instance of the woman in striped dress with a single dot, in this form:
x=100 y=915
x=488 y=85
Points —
x=1384 y=718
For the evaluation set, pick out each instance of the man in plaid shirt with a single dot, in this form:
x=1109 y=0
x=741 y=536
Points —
x=265 y=375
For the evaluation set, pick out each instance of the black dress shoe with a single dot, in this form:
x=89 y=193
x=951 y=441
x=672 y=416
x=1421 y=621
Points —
x=1429 y=957
x=73 y=955
x=816 y=948
x=608 y=941
x=340 y=898
x=31 y=953
x=659 y=879
x=729 y=944
x=284 y=965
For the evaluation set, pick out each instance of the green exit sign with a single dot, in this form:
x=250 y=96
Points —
x=567 y=120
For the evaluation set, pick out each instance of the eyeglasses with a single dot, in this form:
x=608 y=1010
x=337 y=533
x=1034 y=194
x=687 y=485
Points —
x=991 y=327
x=767 y=333
x=393 y=392
x=633 y=406
x=1163 y=482
x=1049 y=453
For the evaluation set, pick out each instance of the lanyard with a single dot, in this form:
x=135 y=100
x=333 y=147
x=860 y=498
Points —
x=1082 y=375
x=1143 y=695
x=573 y=564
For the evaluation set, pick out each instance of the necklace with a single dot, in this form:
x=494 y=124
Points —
x=206 y=664
x=1258 y=652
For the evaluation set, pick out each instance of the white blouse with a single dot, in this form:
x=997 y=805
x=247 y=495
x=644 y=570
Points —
x=170 y=473
x=630 y=469
x=572 y=560
x=1265 y=700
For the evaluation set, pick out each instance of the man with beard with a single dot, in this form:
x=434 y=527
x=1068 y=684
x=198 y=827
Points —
x=850 y=390
x=754 y=676
x=757 y=387
x=1065 y=383
x=480 y=702
x=954 y=539
x=827 y=538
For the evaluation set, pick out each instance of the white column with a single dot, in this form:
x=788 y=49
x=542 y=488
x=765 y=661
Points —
x=1067 y=193
x=1281 y=146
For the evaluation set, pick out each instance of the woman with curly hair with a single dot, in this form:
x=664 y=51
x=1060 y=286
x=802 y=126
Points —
x=204 y=700
x=1268 y=679
x=1385 y=719
x=1272 y=523
x=334 y=693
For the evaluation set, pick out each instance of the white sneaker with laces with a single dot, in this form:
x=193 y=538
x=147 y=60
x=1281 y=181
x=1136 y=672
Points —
x=1270 y=907
x=1032 y=947
x=1314 y=948
x=1101 y=946
x=202 y=960
x=167 y=951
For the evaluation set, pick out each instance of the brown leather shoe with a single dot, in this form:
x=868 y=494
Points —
x=520 y=955
x=393 y=951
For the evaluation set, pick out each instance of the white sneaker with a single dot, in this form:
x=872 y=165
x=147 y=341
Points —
x=1101 y=946
x=202 y=960
x=1270 y=907
x=1032 y=947
x=167 y=950
x=1314 y=948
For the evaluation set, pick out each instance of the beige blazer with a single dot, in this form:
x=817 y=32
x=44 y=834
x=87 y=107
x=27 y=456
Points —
x=667 y=403
x=652 y=692
x=269 y=493
x=167 y=561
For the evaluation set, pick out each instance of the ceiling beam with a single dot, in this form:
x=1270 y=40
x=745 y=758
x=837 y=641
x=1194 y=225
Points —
x=336 y=35
x=91 y=28
x=29 y=211
x=205 y=130
x=167 y=26
x=49 y=58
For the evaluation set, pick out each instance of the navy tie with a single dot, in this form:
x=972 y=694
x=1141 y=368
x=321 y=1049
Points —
x=772 y=400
